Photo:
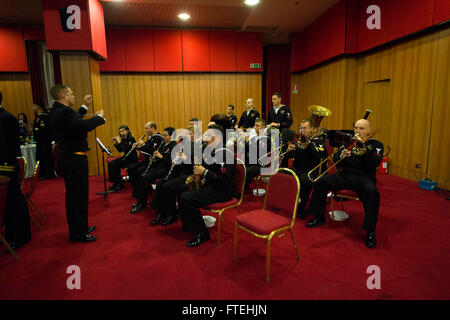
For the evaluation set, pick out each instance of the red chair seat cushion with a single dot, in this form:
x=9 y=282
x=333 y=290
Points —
x=109 y=159
x=348 y=193
x=221 y=205
x=262 y=221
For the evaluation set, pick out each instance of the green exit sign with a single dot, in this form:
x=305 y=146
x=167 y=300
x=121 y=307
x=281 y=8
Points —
x=255 y=65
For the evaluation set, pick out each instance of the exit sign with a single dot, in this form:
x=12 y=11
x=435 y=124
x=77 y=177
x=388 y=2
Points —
x=255 y=65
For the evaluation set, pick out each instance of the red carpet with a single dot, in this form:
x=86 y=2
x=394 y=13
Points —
x=132 y=260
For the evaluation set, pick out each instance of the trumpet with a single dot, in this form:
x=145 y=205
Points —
x=357 y=147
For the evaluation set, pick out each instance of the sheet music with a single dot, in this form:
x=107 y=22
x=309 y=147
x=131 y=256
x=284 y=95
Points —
x=103 y=147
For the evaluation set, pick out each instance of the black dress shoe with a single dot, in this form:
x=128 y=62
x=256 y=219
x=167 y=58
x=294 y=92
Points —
x=17 y=244
x=371 y=240
x=141 y=206
x=112 y=187
x=169 y=220
x=198 y=239
x=118 y=187
x=86 y=238
x=91 y=229
x=157 y=220
x=301 y=213
x=134 y=205
x=314 y=222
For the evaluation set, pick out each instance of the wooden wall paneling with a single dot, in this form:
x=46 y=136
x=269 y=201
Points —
x=17 y=95
x=248 y=85
x=116 y=107
x=412 y=84
x=75 y=72
x=143 y=105
x=438 y=157
x=350 y=93
x=197 y=95
x=223 y=92
x=170 y=99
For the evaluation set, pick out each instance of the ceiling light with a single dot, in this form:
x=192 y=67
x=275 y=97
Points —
x=251 y=2
x=184 y=16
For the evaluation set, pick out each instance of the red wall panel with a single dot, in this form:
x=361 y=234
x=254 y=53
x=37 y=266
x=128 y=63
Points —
x=116 y=51
x=441 y=11
x=222 y=50
x=167 y=50
x=97 y=22
x=138 y=49
x=352 y=28
x=406 y=16
x=369 y=38
x=195 y=45
x=297 y=52
x=249 y=50
x=12 y=50
x=34 y=33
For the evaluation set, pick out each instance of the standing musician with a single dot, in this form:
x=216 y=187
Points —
x=16 y=218
x=70 y=131
x=173 y=184
x=153 y=141
x=215 y=181
x=280 y=115
x=43 y=136
x=123 y=143
x=249 y=116
x=231 y=116
x=157 y=167
x=358 y=174
x=257 y=144
x=306 y=156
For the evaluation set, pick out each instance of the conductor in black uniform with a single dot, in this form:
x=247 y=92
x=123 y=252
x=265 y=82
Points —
x=280 y=115
x=16 y=218
x=123 y=143
x=249 y=116
x=217 y=174
x=70 y=131
x=358 y=173
x=43 y=136
x=306 y=157
x=157 y=168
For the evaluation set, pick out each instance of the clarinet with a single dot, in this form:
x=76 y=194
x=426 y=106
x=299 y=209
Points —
x=174 y=162
x=150 y=161
x=131 y=150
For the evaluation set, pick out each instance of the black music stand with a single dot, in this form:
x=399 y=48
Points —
x=104 y=150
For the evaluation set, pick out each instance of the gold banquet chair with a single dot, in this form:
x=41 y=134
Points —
x=277 y=214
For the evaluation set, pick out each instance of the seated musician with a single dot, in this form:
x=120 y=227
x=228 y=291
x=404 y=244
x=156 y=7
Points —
x=215 y=179
x=123 y=143
x=147 y=148
x=257 y=144
x=307 y=155
x=158 y=166
x=358 y=173
x=171 y=186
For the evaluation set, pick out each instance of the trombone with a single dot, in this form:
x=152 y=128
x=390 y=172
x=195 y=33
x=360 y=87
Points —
x=357 y=147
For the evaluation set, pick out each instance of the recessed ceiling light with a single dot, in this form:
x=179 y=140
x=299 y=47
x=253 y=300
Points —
x=251 y=2
x=184 y=16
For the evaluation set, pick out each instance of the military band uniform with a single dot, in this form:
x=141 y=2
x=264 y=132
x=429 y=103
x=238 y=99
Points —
x=125 y=145
x=233 y=120
x=43 y=136
x=283 y=117
x=16 y=218
x=260 y=144
x=70 y=132
x=248 y=119
x=358 y=173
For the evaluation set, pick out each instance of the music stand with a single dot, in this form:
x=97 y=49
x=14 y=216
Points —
x=104 y=150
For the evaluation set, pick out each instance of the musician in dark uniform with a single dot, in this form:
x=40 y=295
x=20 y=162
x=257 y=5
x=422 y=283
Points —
x=257 y=145
x=280 y=115
x=16 y=218
x=306 y=157
x=173 y=184
x=70 y=132
x=157 y=168
x=231 y=116
x=123 y=143
x=217 y=176
x=249 y=116
x=358 y=173
x=43 y=136
x=147 y=148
